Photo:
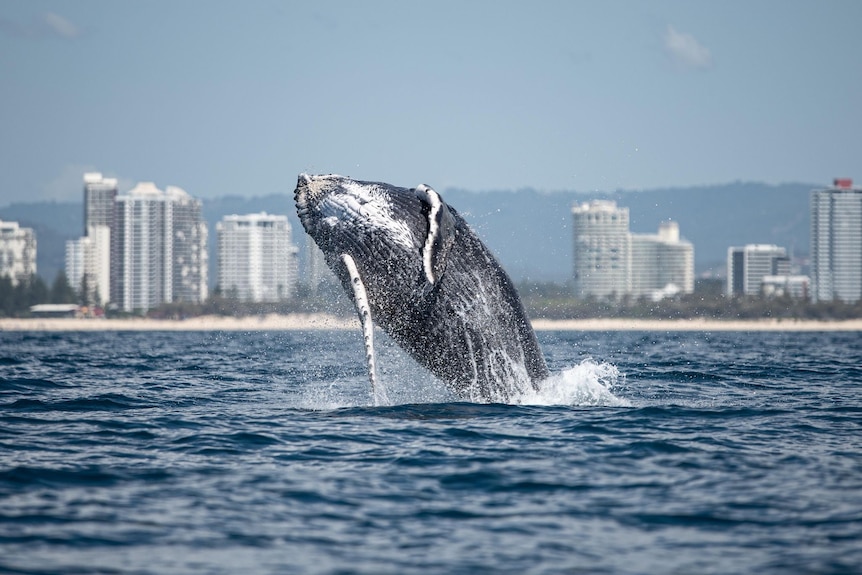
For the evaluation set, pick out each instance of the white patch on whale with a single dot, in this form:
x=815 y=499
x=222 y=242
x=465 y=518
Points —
x=371 y=207
x=433 y=231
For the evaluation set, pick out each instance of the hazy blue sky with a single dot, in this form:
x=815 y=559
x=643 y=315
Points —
x=238 y=97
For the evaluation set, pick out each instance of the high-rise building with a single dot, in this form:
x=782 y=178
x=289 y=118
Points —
x=88 y=260
x=748 y=265
x=257 y=259
x=158 y=249
x=662 y=264
x=612 y=262
x=141 y=270
x=17 y=252
x=602 y=249
x=88 y=265
x=78 y=253
x=190 y=258
x=836 y=242
x=99 y=194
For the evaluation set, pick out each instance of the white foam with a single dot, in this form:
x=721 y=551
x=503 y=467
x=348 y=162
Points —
x=587 y=384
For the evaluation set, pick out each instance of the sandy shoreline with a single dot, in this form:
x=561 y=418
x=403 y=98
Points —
x=295 y=322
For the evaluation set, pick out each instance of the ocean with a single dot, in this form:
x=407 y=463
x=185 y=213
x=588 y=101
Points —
x=263 y=452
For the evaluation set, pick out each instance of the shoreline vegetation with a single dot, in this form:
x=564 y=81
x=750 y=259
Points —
x=550 y=306
x=324 y=321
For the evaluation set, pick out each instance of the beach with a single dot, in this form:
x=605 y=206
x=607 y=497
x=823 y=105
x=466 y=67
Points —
x=318 y=321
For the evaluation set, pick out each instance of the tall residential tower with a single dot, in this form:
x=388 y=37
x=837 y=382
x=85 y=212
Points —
x=190 y=264
x=88 y=259
x=257 y=260
x=836 y=242
x=158 y=249
x=602 y=249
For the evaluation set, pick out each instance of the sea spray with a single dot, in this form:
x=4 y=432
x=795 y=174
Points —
x=588 y=383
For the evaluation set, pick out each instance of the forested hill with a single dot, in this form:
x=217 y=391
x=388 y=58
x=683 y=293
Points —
x=529 y=231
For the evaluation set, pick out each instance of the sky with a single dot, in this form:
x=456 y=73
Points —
x=237 y=98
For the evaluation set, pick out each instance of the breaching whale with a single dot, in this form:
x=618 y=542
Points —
x=413 y=266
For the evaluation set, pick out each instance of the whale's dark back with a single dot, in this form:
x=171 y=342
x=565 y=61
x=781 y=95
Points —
x=467 y=326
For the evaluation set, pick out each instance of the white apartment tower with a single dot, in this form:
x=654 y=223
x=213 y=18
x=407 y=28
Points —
x=748 y=265
x=612 y=262
x=190 y=264
x=159 y=249
x=17 y=252
x=836 y=242
x=662 y=264
x=602 y=249
x=88 y=264
x=99 y=195
x=257 y=260
x=88 y=259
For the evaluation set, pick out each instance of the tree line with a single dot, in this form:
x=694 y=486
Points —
x=553 y=301
x=541 y=300
x=16 y=299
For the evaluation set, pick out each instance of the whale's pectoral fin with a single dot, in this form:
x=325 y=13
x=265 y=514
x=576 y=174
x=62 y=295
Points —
x=363 y=309
x=440 y=236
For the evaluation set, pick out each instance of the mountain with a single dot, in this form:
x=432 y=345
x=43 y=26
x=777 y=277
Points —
x=529 y=231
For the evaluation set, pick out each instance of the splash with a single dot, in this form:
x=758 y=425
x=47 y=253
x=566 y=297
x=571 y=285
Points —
x=329 y=386
x=587 y=384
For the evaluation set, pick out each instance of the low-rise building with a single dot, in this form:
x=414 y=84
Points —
x=748 y=265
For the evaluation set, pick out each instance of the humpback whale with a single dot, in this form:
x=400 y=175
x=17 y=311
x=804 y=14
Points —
x=412 y=266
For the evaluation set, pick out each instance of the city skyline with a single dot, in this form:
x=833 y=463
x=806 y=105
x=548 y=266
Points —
x=239 y=98
x=640 y=265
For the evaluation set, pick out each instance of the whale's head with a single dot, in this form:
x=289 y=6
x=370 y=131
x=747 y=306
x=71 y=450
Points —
x=399 y=234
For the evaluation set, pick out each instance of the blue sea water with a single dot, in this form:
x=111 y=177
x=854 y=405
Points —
x=212 y=452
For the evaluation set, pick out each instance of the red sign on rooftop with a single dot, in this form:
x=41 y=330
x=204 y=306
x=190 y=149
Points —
x=844 y=183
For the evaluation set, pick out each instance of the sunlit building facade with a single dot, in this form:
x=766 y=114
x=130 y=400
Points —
x=159 y=249
x=190 y=263
x=88 y=265
x=602 y=248
x=88 y=259
x=257 y=259
x=17 y=252
x=611 y=262
x=662 y=264
x=836 y=242
x=748 y=265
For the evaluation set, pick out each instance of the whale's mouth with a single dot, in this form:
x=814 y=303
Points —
x=310 y=192
x=311 y=189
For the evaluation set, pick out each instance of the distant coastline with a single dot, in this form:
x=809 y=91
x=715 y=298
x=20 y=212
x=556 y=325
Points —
x=299 y=322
